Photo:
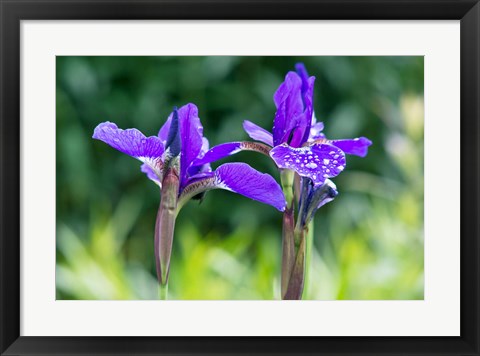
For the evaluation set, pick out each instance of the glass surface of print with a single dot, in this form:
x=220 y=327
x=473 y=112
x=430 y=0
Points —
x=120 y=238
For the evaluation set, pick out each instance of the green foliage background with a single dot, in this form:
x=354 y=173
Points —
x=368 y=243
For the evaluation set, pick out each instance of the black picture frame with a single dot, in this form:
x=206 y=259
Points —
x=12 y=12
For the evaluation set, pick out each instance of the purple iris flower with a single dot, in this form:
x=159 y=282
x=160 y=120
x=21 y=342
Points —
x=172 y=159
x=296 y=142
x=154 y=151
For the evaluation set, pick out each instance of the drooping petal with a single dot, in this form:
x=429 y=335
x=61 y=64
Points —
x=258 y=133
x=243 y=179
x=227 y=149
x=357 y=146
x=316 y=197
x=317 y=162
x=149 y=150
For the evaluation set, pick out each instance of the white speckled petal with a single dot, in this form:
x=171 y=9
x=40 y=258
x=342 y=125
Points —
x=317 y=162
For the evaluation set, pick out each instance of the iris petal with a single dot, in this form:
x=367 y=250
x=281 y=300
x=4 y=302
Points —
x=243 y=179
x=317 y=162
x=294 y=102
x=356 y=146
x=289 y=103
x=202 y=167
x=132 y=142
x=191 y=133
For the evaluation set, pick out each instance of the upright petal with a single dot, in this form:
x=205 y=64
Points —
x=243 y=179
x=149 y=150
x=294 y=101
x=302 y=72
x=305 y=121
x=165 y=129
x=173 y=146
x=258 y=133
x=202 y=167
x=317 y=162
x=357 y=146
x=191 y=131
x=289 y=103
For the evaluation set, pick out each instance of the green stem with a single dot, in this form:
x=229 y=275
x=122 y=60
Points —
x=287 y=178
x=163 y=291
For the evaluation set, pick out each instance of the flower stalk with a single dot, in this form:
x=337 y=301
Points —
x=296 y=280
x=288 y=248
x=165 y=224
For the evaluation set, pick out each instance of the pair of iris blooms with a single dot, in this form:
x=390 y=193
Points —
x=178 y=159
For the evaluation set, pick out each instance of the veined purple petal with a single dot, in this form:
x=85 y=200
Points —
x=132 y=142
x=227 y=149
x=191 y=131
x=258 y=133
x=243 y=179
x=317 y=162
x=357 y=146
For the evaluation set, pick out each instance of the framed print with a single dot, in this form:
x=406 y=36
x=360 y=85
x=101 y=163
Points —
x=242 y=177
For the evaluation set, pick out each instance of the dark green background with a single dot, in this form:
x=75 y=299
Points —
x=368 y=242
